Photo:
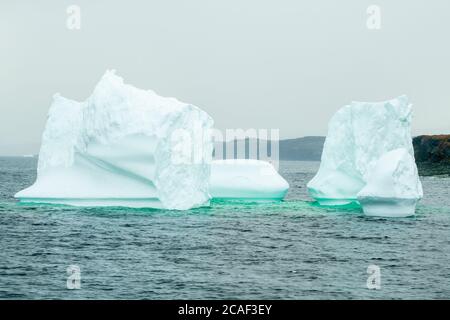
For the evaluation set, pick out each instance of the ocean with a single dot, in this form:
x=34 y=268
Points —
x=292 y=249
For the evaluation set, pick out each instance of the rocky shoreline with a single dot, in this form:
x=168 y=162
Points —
x=432 y=153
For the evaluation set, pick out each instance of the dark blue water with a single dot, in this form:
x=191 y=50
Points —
x=287 y=250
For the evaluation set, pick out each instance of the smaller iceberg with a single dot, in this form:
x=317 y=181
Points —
x=246 y=179
x=368 y=157
x=393 y=187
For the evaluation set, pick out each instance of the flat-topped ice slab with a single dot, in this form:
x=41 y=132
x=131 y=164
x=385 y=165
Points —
x=246 y=179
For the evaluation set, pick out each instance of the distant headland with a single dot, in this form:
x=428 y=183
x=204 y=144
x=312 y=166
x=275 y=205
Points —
x=432 y=152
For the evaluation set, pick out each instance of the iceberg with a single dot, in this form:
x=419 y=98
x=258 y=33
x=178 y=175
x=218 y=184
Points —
x=119 y=148
x=246 y=179
x=129 y=147
x=393 y=187
x=359 y=135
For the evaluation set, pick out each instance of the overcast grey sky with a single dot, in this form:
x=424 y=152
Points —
x=248 y=63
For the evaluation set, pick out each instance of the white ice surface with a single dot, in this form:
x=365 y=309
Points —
x=230 y=179
x=359 y=134
x=117 y=148
x=393 y=187
x=246 y=179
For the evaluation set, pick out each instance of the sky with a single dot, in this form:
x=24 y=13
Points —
x=287 y=64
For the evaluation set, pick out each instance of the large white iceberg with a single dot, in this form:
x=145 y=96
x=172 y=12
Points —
x=118 y=148
x=246 y=179
x=359 y=134
x=129 y=147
